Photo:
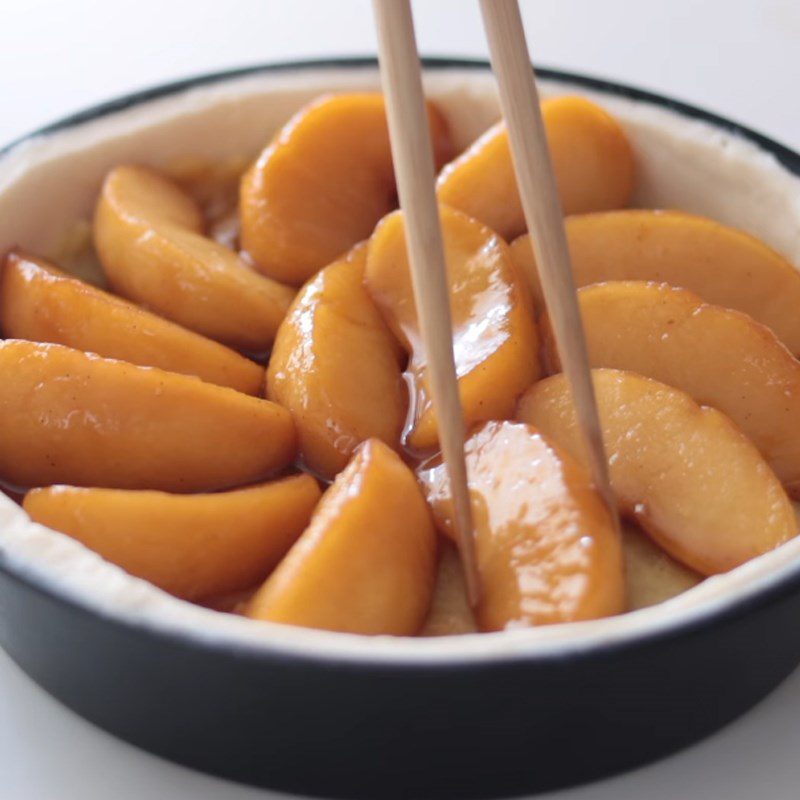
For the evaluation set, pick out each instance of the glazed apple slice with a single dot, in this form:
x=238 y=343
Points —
x=148 y=234
x=193 y=546
x=367 y=562
x=723 y=265
x=651 y=574
x=337 y=368
x=720 y=357
x=68 y=417
x=322 y=184
x=547 y=550
x=43 y=304
x=494 y=336
x=450 y=614
x=685 y=473
x=591 y=155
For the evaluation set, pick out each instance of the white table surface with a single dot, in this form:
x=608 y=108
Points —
x=740 y=58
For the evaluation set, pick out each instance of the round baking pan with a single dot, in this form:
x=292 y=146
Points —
x=341 y=716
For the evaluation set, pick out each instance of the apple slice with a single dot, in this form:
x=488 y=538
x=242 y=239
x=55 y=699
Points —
x=367 y=562
x=685 y=473
x=546 y=547
x=75 y=418
x=494 y=335
x=651 y=574
x=149 y=237
x=322 y=183
x=43 y=304
x=720 y=357
x=193 y=546
x=723 y=265
x=337 y=368
x=591 y=155
x=450 y=614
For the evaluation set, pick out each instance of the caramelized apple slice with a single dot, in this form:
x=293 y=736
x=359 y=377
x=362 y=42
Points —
x=69 y=417
x=685 y=473
x=322 y=184
x=546 y=547
x=337 y=368
x=149 y=237
x=230 y=602
x=494 y=336
x=721 y=358
x=723 y=265
x=450 y=614
x=651 y=575
x=367 y=562
x=193 y=546
x=591 y=155
x=43 y=304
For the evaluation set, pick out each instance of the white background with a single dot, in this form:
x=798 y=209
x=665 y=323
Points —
x=740 y=58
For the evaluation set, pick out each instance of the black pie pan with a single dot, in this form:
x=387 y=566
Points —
x=325 y=721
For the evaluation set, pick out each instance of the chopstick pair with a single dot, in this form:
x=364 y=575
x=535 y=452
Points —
x=414 y=170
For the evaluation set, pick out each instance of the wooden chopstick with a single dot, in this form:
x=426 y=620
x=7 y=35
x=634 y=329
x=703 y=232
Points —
x=412 y=154
x=519 y=99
